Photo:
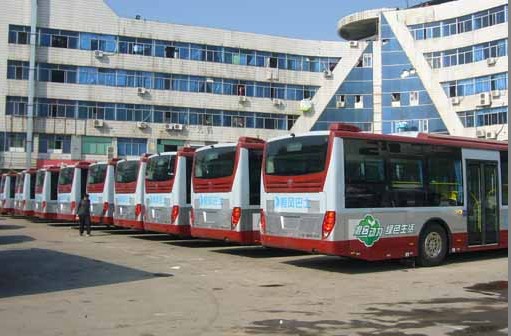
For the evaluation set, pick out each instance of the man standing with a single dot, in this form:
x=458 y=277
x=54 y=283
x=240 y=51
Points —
x=83 y=214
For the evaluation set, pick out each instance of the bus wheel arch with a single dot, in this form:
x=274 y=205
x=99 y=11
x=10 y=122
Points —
x=434 y=243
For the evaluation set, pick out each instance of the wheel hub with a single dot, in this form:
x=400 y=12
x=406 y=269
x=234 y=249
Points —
x=433 y=245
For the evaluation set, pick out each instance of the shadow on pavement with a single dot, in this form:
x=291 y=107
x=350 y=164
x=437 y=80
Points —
x=260 y=252
x=354 y=266
x=11 y=227
x=6 y=240
x=35 y=271
x=199 y=243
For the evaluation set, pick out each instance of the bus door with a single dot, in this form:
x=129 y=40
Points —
x=482 y=202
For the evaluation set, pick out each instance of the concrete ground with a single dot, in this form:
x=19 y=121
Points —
x=120 y=282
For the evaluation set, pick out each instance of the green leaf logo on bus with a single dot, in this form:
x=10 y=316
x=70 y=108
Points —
x=368 y=231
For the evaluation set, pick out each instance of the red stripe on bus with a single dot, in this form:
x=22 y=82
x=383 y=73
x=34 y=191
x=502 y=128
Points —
x=66 y=217
x=243 y=237
x=178 y=230
x=129 y=224
x=45 y=215
x=102 y=220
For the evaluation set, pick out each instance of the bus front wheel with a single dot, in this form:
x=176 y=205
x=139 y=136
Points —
x=432 y=245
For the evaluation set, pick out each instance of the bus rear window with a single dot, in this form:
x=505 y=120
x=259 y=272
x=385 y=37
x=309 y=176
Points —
x=296 y=156
x=66 y=176
x=215 y=163
x=127 y=172
x=161 y=168
x=40 y=179
x=2 y=184
x=19 y=183
x=13 y=186
x=97 y=174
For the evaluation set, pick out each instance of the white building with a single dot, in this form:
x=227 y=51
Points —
x=106 y=85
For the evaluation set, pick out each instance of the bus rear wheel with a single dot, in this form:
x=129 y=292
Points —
x=432 y=246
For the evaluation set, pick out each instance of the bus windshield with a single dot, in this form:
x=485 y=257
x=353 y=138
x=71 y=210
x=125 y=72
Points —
x=161 y=168
x=66 y=176
x=40 y=178
x=296 y=156
x=215 y=162
x=127 y=172
x=97 y=173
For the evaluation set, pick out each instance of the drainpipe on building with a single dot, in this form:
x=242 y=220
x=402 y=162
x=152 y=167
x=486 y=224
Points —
x=31 y=86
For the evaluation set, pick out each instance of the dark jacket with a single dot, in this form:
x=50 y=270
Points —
x=83 y=208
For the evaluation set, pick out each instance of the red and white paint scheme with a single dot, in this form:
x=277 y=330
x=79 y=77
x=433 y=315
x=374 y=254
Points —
x=26 y=203
x=71 y=188
x=101 y=190
x=129 y=193
x=168 y=192
x=371 y=196
x=18 y=193
x=226 y=191
x=46 y=192
x=7 y=193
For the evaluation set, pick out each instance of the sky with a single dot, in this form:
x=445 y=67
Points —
x=316 y=19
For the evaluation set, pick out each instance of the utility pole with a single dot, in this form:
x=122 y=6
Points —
x=31 y=86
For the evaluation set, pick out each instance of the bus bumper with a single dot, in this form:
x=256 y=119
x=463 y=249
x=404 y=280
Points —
x=45 y=215
x=102 y=220
x=129 y=224
x=178 y=230
x=66 y=217
x=240 y=237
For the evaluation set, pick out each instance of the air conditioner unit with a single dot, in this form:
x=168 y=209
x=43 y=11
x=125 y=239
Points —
x=327 y=73
x=481 y=134
x=340 y=104
x=484 y=99
x=142 y=91
x=99 y=53
x=354 y=44
x=178 y=127
x=169 y=127
x=98 y=123
x=276 y=101
x=491 y=135
x=455 y=100
x=142 y=125
x=491 y=61
x=495 y=93
x=242 y=99
x=269 y=74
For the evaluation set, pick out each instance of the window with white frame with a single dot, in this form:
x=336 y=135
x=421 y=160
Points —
x=414 y=98
x=367 y=61
x=396 y=99
x=359 y=101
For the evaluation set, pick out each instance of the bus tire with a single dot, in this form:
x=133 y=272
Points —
x=432 y=246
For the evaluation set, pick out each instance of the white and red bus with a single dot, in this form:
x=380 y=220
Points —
x=72 y=185
x=129 y=193
x=26 y=203
x=101 y=190
x=374 y=197
x=226 y=191
x=168 y=192
x=7 y=193
x=18 y=193
x=46 y=192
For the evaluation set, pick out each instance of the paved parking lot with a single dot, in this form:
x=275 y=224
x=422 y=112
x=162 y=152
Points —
x=120 y=282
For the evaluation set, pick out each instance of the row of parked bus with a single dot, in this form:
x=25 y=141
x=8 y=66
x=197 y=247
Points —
x=338 y=192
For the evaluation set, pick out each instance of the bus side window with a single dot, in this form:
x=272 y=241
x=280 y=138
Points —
x=54 y=185
x=32 y=185
x=445 y=180
x=365 y=182
x=83 y=182
x=504 y=173
x=189 y=163
x=254 y=173
x=12 y=187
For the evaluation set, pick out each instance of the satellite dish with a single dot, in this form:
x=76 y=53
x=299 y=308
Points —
x=306 y=105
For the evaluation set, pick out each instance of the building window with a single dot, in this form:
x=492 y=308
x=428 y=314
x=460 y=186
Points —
x=367 y=60
x=131 y=147
x=359 y=101
x=396 y=99
x=414 y=98
x=95 y=145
